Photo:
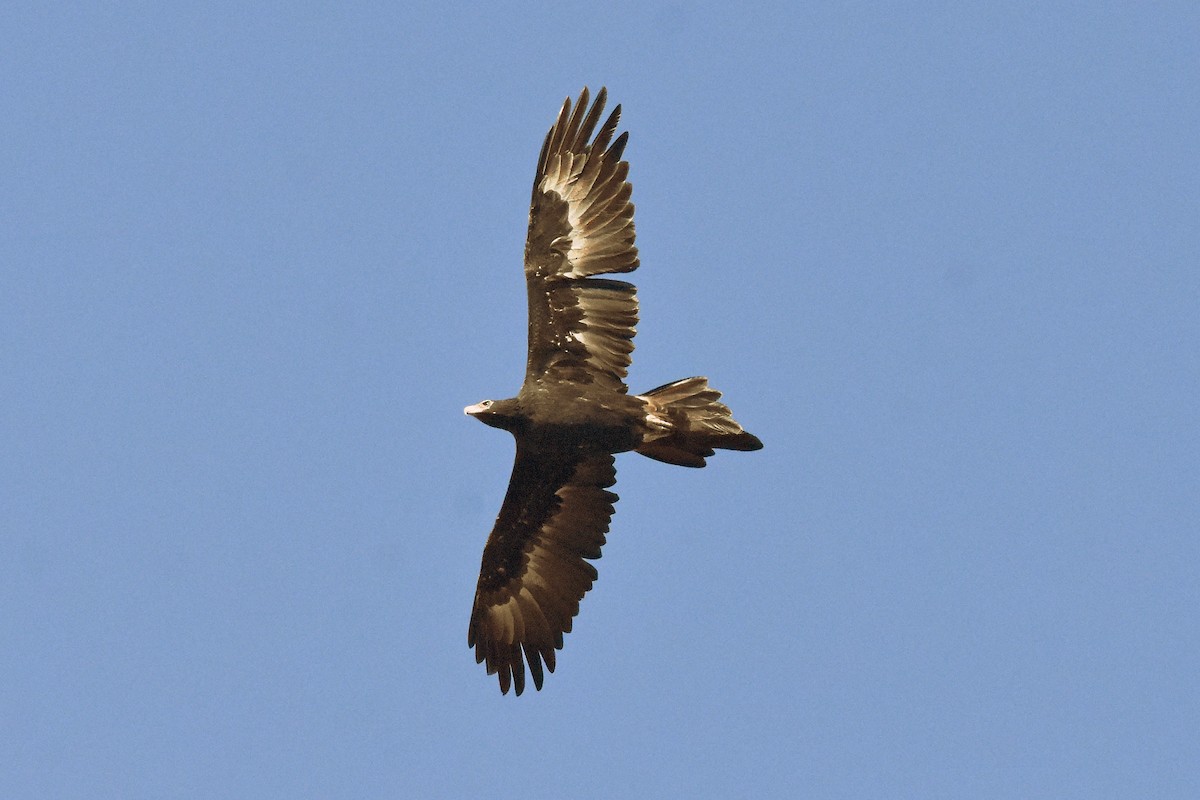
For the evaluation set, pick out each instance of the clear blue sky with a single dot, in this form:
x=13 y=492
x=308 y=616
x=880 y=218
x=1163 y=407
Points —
x=943 y=258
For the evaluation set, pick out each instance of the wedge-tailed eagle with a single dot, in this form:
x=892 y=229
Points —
x=573 y=411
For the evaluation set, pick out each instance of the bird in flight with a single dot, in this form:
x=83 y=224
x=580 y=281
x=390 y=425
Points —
x=574 y=411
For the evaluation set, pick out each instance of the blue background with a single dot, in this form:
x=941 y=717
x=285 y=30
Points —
x=942 y=258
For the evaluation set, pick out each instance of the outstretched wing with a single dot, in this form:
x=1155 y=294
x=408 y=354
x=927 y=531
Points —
x=581 y=224
x=554 y=516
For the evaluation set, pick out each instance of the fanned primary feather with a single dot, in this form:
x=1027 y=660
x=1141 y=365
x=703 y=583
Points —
x=555 y=515
x=580 y=225
x=574 y=410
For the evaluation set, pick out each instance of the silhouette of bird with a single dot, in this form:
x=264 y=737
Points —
x=573 y=411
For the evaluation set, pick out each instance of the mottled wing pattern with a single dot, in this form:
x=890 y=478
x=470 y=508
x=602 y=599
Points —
x=580 y=225
x=554 y=516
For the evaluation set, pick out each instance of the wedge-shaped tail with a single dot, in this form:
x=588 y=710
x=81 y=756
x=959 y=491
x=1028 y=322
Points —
x=688 y=423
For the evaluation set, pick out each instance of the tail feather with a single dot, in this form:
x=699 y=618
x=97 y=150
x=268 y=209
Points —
x=687 y=422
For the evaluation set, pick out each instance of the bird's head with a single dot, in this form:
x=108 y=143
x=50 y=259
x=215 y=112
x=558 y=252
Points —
x=504 y=414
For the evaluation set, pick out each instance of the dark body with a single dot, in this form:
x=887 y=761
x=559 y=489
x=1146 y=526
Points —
x=574 y=410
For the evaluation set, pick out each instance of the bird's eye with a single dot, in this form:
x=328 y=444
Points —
x=487 y=403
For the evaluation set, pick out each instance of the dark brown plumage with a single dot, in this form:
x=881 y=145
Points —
x=574 y=411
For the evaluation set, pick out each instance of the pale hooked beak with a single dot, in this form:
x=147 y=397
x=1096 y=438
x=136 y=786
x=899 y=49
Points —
x=471 y=411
